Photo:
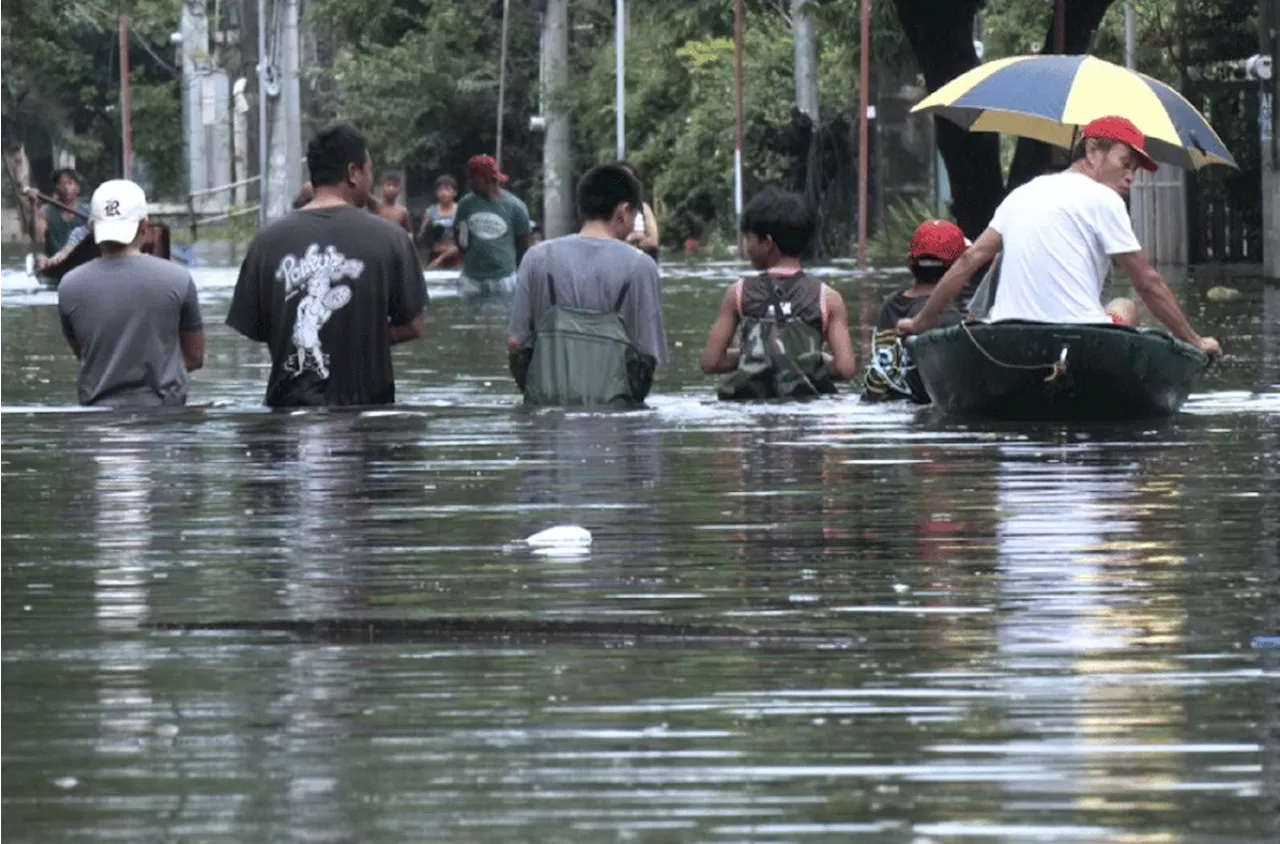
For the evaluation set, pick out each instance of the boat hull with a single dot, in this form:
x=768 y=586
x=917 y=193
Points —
x=1048 y=371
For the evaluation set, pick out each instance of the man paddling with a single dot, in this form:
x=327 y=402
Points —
x=1057 y=236
x=51 y=224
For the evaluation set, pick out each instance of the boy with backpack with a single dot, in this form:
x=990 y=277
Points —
x=782 y=316
x=935 y=246
x=586 y=321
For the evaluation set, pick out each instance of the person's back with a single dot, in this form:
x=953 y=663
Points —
x=935 y=246
x=1059 y=232
x=330 y=288
x=782 y=316
x=134 y=320
x=609 y=289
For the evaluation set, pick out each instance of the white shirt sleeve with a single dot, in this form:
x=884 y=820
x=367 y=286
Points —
x=1000 y=219
x=1115 y=228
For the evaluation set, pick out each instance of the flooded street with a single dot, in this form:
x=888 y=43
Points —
x=796 y=623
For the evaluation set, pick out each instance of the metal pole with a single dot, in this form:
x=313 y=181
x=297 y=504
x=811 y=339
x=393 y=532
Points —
x=864 y=86
x=737 y=105
x=262 y=113
x=502 y=78
x=1129 y=34
x=126 y=121
x=1060 y=27
x=620 y=76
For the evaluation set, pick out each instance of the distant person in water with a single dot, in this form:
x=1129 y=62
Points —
x=330 y=288
x=645 y=234
x=492 y=230
x=51 y=226
x=935 y=246
x=436 y=234
x=782 y=316
x=132 y=320
x=388 y=209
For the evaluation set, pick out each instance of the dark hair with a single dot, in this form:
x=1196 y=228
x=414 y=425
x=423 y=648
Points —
x=601 y=189
x=447 y=181
x=391 y=178
x=786 y=217
x=65 y=171
x=333 y=152
x=628 y=166
x=1078 y=151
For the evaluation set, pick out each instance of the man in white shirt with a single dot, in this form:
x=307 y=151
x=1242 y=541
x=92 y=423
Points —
x=1059 y=234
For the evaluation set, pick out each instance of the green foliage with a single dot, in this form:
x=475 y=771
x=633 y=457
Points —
x=888 y=246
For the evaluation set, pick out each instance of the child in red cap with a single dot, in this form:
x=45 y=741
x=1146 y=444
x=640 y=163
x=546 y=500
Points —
x=935 y=246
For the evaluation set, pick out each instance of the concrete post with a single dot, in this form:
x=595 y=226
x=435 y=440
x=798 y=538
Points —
x=1269 y=127
x=284 y=167
x=194 y=30
x=557 y=172
x=806 y=62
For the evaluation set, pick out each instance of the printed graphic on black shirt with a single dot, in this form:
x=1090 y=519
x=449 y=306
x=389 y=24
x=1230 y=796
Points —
x=315 y=276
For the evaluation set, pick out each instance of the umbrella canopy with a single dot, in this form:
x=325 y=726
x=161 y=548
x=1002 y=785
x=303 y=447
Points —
x=1050 y=98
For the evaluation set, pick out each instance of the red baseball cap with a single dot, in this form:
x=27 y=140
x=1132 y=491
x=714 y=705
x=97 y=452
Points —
x=1122 y=131
x=939 y=240
x=484 y=167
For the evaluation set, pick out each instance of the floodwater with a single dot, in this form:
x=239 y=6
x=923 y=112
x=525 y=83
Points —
x=812 y=623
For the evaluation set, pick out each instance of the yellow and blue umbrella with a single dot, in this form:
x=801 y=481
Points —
x=1050 y=98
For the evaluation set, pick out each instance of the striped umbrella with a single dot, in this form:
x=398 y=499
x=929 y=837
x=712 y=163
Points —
x=1050 y=98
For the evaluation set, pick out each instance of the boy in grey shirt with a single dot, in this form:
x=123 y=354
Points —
x=132 y=320
x=590 y=268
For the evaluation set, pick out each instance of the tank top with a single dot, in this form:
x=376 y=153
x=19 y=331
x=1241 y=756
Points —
x=805 y=295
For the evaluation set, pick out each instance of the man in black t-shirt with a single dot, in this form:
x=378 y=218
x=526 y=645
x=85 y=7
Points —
x=330 y=288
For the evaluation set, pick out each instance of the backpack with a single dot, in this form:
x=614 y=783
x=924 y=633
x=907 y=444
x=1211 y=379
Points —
x=891 y=374
x=780 y=357
x=579 y=358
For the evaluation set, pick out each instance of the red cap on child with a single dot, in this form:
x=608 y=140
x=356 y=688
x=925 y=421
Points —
x=940 y=240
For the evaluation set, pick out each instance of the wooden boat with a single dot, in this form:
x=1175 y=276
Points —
x=1050 y=371
x=157 y=243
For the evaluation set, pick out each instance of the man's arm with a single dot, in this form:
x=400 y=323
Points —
x=522 y=246
x=716 y=357
x=520 y=324
x=844 y=362
x=406 y=221
x=69 y=333
x=953 y=281
x=191 y=329
x=39 y=224
x=1160 y=300
x=250 y=311
x=408 y=295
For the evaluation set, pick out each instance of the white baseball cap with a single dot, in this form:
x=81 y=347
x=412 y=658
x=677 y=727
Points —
x=117 y=208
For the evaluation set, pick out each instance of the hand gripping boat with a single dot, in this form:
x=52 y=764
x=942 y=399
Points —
x=1052 y=371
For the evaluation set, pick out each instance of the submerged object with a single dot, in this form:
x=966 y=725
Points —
x=1053 y=371
x=1219 y=293
x=560 y=536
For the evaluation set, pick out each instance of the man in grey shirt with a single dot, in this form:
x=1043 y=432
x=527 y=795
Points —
x=591 y=267
x=132 y=320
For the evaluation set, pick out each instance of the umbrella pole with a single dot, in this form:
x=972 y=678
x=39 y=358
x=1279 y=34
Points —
x=864 y=84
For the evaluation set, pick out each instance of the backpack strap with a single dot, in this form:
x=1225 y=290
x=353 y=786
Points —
x=775 y=294
x=551 y=289
x=622 y=296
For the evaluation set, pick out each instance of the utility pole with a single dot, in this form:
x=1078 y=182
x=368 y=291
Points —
x=864 y=115
x=737 y=108
x=557 y=204
x=126 y=118
x=1269 y=128
x=1129 y=34
x=239 y=141
x=263 y=192
x=502 y=79
x=285 y=165
x=806 y=59
x=194 y=35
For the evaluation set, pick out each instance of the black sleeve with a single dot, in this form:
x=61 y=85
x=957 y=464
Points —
x=408 y=285
x=250 y=311
x=888 y=316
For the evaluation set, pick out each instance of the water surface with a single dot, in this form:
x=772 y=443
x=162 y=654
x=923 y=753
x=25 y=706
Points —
x=822 y=622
